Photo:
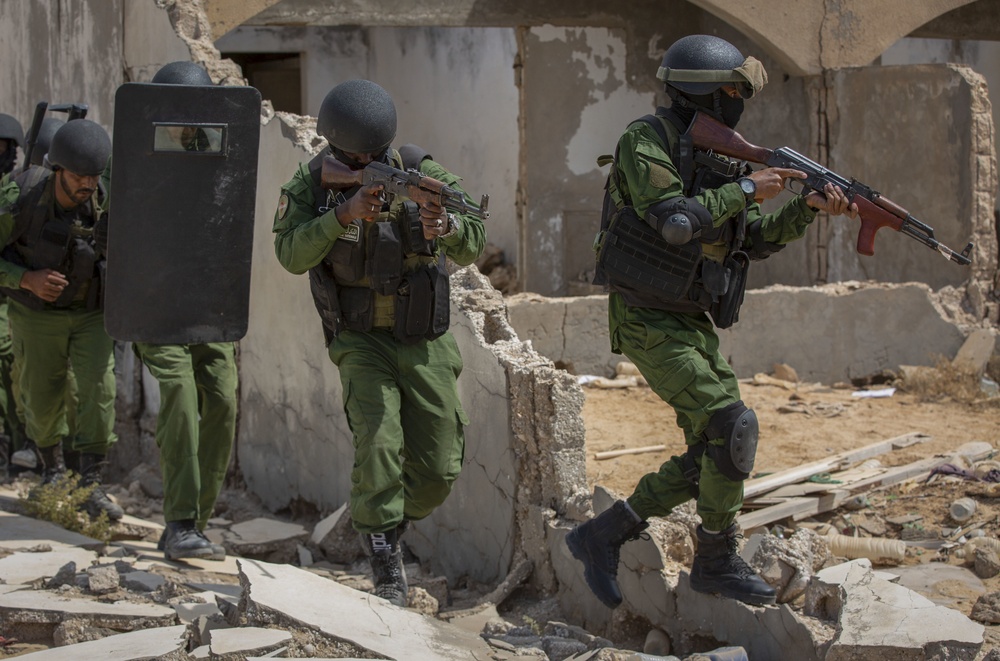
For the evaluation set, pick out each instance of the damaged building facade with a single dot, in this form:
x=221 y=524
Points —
x=522 y=103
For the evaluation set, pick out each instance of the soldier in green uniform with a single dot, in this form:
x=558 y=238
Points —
x=49 y=268
x=378 y=279
x=196 y=424
x=11 y=138
x=702 y=214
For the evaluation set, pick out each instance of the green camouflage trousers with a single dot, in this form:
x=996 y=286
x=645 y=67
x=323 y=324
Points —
x=403 y=409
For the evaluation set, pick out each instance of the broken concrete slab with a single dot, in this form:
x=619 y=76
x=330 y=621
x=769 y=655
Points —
x=165 y=643
x=267 y=539
x=190 y=611
x=23 y=568
x=336 y=537
x=18 y=531
x=40 y=607
x=247 y=640
x=359 y=618
x=894 y=622
x=771 y=632
x=938 y=581
x=142 y=581
x=102 y=580
x=976 y=351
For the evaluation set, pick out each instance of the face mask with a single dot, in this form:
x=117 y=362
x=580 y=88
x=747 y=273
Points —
x=731 y=110
x=7 y=160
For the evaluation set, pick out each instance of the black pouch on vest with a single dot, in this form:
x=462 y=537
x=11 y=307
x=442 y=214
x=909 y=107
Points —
x=81 y=271
x=347 y=257
x=414 y=306
x=726 y=311
x=635 y=256
x=53 y=245
x=441 y=314
x=95 y=297
x=384 y=265
x=414 y=242
x=357 y=308
x=324 y=294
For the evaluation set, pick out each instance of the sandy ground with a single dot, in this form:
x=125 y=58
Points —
x=808 y=422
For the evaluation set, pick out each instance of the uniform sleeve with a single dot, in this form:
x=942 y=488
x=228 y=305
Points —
x=301 y=238
x=467 y=244
x=785 y=225
x=651 y=176
x=10 y=274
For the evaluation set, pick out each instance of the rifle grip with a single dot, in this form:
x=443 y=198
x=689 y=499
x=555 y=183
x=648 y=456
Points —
x=866 y=238
x=873 y=218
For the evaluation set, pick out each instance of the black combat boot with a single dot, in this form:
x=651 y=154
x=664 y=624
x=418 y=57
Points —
x=386 y=560
x=218 y=550
x=718 y=568
x=597 y=544
x=181 y=539
x=91 y=465
x=53 y=468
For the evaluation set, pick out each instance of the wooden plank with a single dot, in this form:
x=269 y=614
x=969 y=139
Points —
x=838 y=461
x=795 y=508
x=610 y=454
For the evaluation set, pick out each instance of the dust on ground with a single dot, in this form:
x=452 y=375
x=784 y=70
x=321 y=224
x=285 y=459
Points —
x=801 y=423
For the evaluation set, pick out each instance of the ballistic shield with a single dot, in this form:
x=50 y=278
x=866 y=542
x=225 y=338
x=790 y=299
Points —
x=183 y=196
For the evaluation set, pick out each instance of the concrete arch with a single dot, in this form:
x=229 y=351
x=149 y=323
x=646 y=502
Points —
x=807 y=38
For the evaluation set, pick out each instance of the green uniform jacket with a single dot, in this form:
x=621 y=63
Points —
x=303 y=239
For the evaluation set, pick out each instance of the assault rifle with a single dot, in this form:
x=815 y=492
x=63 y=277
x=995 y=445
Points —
x=72 y=110
x=408 y=183
x=874 y=210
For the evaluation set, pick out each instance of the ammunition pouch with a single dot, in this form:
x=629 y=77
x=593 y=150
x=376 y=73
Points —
x=323 y=287
x=422 y=306
x=52 y=248
x=357 y=308
x=634 y=257
x=414 y=243
x=347 y=258
x=80 y=273
x=384 y=264
x=732 y=276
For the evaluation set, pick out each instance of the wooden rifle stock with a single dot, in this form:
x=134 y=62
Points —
x=710 y=134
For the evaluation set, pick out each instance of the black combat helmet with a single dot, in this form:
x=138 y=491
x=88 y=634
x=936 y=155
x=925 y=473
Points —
x=80 y=146
x=10 y=129
x=696 y=67
x=45 y=132
x=358 y=116
x=182 y=73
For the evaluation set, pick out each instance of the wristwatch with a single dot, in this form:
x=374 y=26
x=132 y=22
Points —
x=748 y=187
x=453 y=224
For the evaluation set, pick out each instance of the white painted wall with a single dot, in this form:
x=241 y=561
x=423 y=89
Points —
x=453 y=88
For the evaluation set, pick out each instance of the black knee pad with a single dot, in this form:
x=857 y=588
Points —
x=737 y=425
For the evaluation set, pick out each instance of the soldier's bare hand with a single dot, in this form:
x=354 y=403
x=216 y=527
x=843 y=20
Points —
x=46 y=284
x=434 y=219
x=366 y=204
x=833 y=200
x=771 y=181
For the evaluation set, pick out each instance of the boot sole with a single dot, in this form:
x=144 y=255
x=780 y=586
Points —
x=200 y=554
x=750 y=600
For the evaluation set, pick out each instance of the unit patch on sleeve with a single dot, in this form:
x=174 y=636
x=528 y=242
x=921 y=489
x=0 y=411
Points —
x=282 y=206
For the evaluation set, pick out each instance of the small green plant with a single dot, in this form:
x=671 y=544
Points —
x=61 y=503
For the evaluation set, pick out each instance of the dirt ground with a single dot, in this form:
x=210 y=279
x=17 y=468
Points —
x=801 y=423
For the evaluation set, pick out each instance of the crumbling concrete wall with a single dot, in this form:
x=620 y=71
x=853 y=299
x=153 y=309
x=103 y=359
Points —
x=829 y=334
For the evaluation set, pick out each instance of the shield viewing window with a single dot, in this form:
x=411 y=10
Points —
x=189 y=138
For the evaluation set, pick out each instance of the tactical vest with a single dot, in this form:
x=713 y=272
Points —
x=380 y=274
x=633 y=259
x=44 y=239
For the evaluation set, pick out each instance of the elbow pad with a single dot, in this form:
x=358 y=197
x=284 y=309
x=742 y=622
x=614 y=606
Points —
x=759 y=248
x=679 y=220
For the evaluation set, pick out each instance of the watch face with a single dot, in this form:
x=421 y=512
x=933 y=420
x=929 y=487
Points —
x=749 y=188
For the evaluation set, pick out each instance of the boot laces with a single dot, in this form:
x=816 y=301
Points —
x=388 y=575
x=736 y=562
x=615 y=547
